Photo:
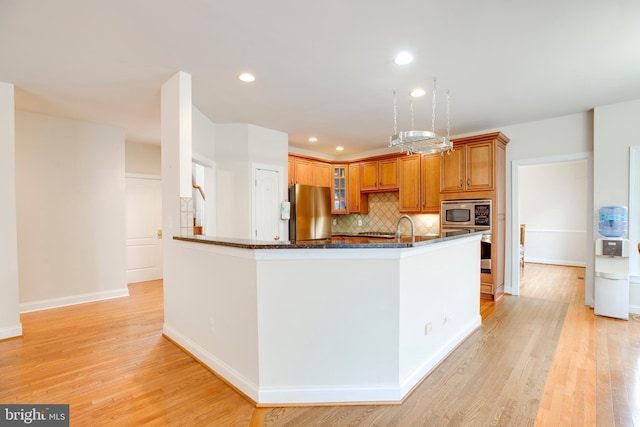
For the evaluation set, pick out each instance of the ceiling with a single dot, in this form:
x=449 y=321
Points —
x=323 y=68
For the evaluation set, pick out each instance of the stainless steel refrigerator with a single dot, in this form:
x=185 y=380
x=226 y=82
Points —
x=310 y=212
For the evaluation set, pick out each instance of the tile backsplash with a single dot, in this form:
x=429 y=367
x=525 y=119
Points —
x=383 y=216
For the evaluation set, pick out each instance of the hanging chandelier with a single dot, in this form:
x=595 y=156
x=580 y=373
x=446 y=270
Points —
x=421 y=141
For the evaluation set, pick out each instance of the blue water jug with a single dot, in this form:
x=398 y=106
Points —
x=613 y=221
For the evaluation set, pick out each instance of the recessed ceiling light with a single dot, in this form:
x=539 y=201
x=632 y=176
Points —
x=339 y=148
x=418 y=92
x=313 y=139
x=403 y=58
x=246 y=77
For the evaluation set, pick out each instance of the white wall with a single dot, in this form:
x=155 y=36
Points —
x=553 y=201
x=70 y=203
x=233 y=210
x=142 y=158
x=204 y=153
x=176 y=115
x=634 y=227
x=616 y=130
x=203 y=135
x=9 y=310
x=238 y=146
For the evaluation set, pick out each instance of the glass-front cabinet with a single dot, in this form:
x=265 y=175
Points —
x=339 y=190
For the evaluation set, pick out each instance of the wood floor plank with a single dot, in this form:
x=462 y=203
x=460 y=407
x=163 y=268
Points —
x=109 y=361
x=540 y=358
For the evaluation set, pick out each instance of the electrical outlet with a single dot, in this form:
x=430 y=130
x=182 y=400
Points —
x=359 y=222
x=334 y=221
x=429 y=224
x=427 y=328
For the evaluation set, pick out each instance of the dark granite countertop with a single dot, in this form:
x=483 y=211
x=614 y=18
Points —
x=335 y=242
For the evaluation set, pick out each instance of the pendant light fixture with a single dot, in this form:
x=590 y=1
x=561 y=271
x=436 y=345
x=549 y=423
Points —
x=421 y=141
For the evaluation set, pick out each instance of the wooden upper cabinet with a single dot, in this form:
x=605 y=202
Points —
x=302 y=172
x=309 y=172
x=409 y=189
x=388 y=174
x=419 y=183
x=480 y=166
x=358 y=202
x=470 y=167
x=452 y=171
x=339 y=190
x=379 y=175
x=430 y=183
x=368 y=176
x=321 y=174
x=291 y=171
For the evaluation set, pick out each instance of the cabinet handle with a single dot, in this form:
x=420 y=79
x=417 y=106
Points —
x=468 y=182
x=460 y=184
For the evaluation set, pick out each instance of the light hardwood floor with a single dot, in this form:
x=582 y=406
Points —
x=541 y=358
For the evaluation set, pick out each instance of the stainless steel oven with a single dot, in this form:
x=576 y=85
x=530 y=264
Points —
x=485 y=243
x=469 y=216
x=465 y=213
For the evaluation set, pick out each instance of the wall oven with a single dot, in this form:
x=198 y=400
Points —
x=469 y=216
x=466 y=213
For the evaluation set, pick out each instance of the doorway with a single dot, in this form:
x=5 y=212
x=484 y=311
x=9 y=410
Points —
x=143 y=227
x=267 y=197
x=555 y=237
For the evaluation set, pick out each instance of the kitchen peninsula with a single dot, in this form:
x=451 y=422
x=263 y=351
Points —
x=323 y=321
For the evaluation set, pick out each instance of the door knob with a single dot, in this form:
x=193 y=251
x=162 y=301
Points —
x=276 y=238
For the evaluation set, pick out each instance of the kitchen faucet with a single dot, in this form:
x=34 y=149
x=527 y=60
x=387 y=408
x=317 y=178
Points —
x=413 y=232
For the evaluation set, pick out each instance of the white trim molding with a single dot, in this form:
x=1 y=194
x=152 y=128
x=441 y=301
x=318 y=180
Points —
x=72 y=300
x=11 y=332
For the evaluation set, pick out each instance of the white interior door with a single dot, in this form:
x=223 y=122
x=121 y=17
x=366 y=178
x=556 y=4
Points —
x=143 y=225
x=267 y=205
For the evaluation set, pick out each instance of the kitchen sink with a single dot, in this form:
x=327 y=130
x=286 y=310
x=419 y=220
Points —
x=378 y=234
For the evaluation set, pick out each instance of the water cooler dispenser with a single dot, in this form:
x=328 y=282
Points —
x=611 y=297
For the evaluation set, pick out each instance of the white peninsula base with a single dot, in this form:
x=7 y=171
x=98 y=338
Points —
x=291 y=326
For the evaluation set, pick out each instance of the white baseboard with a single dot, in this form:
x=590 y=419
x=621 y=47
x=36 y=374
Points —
x=11 y=331
x=72 y=300
x=569 y=263
x=219 y=367
x=430 y=364
x=322 y=394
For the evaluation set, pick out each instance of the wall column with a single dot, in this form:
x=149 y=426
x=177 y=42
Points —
x=176 y=124
x=177 y=208
x=10 y=325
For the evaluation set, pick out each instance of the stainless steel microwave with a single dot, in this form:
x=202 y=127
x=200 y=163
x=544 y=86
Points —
x=465 y=213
